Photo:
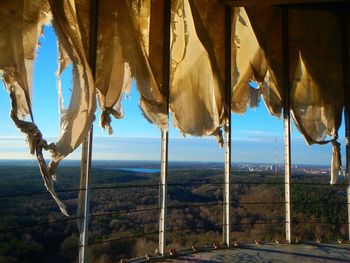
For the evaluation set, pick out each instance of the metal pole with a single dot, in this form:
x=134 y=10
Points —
x=84 y=209
x=346 y=83
x=85 y=185
x=227 y=128
x=227 y=192
x=286 y=122
x=163 y=194
x=347 y=152
x=164 y=133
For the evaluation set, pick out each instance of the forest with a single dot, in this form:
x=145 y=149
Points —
x=124 y=210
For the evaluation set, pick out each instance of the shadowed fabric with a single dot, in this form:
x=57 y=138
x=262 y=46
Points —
x=267 y=30
x=133 y=20
x=20 y=27
x=248 y=60
x=113 y=76
x=317 y=94
x=130 y=44
x=197 y=64
x=316 y=88
x=77 y=119
x=251 y=62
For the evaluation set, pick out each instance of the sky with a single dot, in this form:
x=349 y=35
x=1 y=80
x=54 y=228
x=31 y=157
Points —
x=256 y=136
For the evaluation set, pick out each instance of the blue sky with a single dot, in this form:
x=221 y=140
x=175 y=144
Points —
x=253 y=134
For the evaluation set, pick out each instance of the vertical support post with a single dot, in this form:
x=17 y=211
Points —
x=347 y=152
x=84 y=207
x=86 y=157
x=227 y=128
x=286 y=122
x=346 y=83
x=163 y=193
x=164 y=133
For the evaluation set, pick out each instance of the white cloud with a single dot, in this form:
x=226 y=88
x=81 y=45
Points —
x=252 y=148
x=15 y=156
x=256 y=132
x=11 y=143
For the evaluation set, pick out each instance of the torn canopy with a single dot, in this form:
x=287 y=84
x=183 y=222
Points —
x=71 y=22
x=197 y=66
x=250 y=63
x=142 y=49
x=315 y=73
x=20 y=27
x=195 y=93
x=317 y=93
x=113 y=77
x=130 y=43
x=77 y=119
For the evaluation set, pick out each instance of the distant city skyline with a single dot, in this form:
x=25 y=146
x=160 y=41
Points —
x=253 y=134
x=182 y=149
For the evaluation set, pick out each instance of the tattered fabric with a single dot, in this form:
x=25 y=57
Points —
x=112 y=77
x=316 y=94
x=251 y=62
x=20 y=27
x=77 y=119
x=130 y=44
x=197 y=66
x=133 y=26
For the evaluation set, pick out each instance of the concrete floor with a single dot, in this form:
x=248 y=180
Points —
x=270 y=253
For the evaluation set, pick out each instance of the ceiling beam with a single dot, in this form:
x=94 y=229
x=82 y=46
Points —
x=279 y=2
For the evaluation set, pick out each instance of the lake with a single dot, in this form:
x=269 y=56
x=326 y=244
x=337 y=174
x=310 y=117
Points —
x=141 y=170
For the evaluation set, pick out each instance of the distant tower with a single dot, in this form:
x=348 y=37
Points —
x=275 y=155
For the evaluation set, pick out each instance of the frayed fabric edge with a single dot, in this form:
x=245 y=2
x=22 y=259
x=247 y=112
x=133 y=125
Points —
x=336 y=161
x=36 y=144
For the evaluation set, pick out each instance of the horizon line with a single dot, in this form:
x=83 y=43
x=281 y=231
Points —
x=170 y=161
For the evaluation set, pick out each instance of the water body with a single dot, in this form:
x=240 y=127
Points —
x=141 y=170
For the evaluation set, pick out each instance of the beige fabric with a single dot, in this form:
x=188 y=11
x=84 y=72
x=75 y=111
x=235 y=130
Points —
x=248 y=60
x=131 y=43
x=196 y=92
x=77 y=119
x=251 y=61
x=316 y=94
x=113 y=76
x=313 y=115
x=133 y=20
x=266 y=23
x=317 y=89
x=336 y=162
x=20 y=27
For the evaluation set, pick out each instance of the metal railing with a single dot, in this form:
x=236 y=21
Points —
x=183 y=205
